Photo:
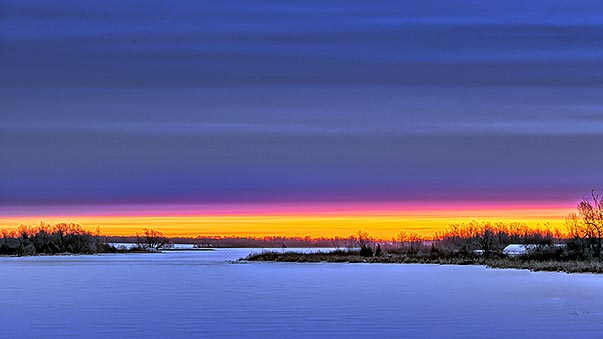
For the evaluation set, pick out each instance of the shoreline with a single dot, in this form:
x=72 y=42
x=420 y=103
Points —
x=66 y=254
x=572 y=266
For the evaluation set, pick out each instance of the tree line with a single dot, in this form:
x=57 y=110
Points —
x=50 y=239
x=69 y=238
x=583 y=239
x=233 y=241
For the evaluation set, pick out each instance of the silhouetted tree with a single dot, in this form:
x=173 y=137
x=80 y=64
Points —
x=364 y=240
x=409 y=242
x=151 y=239
x=486 y=241
x=586 y=226
x=378 y=251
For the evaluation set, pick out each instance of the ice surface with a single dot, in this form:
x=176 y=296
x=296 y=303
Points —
x=202 y=295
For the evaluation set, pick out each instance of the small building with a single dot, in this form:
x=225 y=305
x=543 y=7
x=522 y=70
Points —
x=521 y=249
x=518 y=249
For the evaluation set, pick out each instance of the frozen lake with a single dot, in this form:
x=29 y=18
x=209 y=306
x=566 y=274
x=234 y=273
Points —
x=202 y=295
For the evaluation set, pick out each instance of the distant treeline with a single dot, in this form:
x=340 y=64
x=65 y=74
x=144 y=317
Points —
x=580 y=249
x=582 y=241
x=466 y=241
x=494 y=237
x=250 y=242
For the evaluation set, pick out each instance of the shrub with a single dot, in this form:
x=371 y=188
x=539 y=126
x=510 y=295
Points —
x=378 y=251
x=366 y=251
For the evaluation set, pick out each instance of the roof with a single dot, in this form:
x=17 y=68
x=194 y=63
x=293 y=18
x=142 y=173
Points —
x=517 y=249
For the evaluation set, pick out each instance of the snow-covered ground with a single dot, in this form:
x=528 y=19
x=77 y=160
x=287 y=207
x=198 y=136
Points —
x=202 y=295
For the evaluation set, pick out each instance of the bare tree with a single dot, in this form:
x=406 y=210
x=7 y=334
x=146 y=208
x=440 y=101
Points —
x=408 y=241
x=151 y=239
x=364 y=240
x=486 y=240
x=586 y=226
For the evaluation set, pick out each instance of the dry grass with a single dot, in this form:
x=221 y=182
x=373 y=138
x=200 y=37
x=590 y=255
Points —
x=572 y=266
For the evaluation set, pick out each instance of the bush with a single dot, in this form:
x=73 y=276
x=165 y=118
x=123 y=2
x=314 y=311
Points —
x=366 y=251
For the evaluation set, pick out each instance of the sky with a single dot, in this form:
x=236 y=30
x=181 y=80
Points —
x=170 y=114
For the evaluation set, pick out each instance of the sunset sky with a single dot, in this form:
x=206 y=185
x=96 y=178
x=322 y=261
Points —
x=298 y=118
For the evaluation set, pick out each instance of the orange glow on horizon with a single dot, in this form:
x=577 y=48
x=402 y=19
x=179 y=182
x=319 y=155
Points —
x=381 y=223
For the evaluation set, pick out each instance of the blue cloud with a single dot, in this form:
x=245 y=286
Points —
x=243 y=100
